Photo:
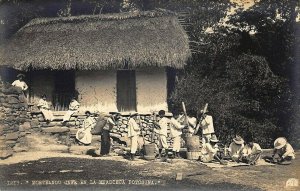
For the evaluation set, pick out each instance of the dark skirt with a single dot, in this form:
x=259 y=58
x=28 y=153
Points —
x=105 y=142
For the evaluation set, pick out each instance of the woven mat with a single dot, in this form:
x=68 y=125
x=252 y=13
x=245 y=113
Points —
x=215 y=164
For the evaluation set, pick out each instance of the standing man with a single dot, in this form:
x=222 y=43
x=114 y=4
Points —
x=21 y=83
x=163 y=133
x=206 y=122
x=133 y=134
x=73 y=107
x=45 y=108
x=105 y=135
x=176 y=131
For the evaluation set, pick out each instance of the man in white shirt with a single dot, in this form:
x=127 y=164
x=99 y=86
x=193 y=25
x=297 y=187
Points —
x=175 y=132
x=73 y=107
x=162 y=126
x=235 y=148
x=45 y=109
x=209 y=151
x=133 y=134
x=283 y=152
x=20 y=82
x=251 y=152
x=206 y=122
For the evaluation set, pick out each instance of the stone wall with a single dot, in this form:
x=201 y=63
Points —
x=14 y=120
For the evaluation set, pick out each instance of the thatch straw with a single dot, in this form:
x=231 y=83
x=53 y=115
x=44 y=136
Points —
x=98 y=42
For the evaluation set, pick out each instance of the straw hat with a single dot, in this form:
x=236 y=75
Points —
x=280 y=142
x=214 y=139
x=21 y=75
x=238 y=140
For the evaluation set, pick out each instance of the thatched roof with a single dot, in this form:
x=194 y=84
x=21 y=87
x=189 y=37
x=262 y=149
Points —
x=98 y=42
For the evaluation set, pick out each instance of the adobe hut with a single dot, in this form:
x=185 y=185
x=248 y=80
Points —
x=115 y=62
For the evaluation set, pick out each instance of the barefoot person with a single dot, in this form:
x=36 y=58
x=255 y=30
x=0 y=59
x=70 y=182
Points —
x=45 y=108
x=105 y=135
x=84 y=134
x=73 y=107
x=251 y=152
x=283 y=152
x=176 y=132
x=206 y=122
x=162 y=126
x=133 y=134
x=209 y=151
x=235 y=148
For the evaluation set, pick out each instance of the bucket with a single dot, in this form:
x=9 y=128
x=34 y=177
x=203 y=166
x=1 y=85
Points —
x=193 y=155
x=193 y=143
x=149 y=151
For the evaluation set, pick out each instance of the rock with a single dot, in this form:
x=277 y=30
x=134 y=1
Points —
x=6 y=153
x=25 y=126
x=10 y=143
x=12 y=136
x=12 y=100
x=56 y=129
x=18 y=149
x=34 y=123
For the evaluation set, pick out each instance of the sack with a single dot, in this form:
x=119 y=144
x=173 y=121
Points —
x=81 y=134
x=101 y=122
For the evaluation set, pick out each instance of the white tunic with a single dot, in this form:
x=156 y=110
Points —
x=20 y=84
x=133 y=128
x=207 y=125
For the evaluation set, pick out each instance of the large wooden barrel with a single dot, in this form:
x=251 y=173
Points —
x=149 y=151
x=193 y=143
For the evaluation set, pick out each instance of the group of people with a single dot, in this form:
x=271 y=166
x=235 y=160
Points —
x=239 y=150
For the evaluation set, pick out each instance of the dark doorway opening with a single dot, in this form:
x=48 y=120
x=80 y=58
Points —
x=126 y=90
x=64 y=89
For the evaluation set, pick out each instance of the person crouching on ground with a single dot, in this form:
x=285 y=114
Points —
x=209 y=151
x=45 y=109
x=235 y=148
x=162 y=126
x=73 y=107
x=84 y=134
x=105 y=135
x=133 y=134
x=283 y=152
x=251 y=152
x=176 y=132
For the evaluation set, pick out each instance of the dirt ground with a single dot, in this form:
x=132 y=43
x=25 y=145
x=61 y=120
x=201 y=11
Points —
x=34 y=170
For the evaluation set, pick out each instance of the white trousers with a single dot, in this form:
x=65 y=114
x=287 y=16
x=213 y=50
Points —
x=68 y=115
x=163 y=144
x=48 y=115
x=134 y=144
x=176 y=144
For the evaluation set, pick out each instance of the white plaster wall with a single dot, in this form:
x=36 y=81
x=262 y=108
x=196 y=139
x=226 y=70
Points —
x=97 y=90
x=42 y=82
x=151 y=89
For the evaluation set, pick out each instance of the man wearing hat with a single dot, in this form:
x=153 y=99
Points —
x=162 y=126
x=283 y=152
x=20 y=82
x=45 y=108
x=251 y=152
x=235 y=148
x=206 y=122
x=133 y=134
x=209 y=151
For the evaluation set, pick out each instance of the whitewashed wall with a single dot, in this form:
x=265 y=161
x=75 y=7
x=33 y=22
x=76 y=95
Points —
x=151 y=89
x=97 y=90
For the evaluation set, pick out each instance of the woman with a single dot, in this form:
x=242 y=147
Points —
x=45 y=109
x=84 y=134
